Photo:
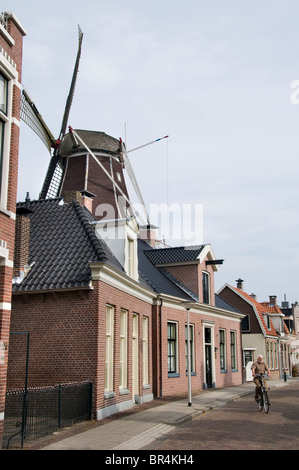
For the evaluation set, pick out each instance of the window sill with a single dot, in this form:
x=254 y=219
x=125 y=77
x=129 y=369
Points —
x=234 y=370
x=109 y=394
x=146 y=386
x=173 y=374
x=223 y=371
x=124 y=391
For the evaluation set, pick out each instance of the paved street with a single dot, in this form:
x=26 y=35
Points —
x=240 y=425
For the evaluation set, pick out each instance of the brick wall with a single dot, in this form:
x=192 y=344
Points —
x=68 y=340
x=177 y=384
x=10 y=59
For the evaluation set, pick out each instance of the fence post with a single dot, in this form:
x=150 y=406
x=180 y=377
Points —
x=90 y=400
x=59 y=406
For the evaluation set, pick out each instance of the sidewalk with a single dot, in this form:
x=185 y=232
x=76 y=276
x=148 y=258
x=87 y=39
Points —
x=138 y=430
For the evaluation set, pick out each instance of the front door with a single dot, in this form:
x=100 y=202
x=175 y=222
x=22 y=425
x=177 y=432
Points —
x=208 y=358
x=209 y=380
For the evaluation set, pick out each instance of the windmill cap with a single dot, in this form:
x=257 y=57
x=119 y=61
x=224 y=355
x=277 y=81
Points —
x=95 y=140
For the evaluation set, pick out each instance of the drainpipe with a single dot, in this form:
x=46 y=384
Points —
x=160 y=348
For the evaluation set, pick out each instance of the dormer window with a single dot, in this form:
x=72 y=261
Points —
x=130 y=252
x=205 y=287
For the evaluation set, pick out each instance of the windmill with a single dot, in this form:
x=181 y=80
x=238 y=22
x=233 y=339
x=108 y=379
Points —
x=91 y=162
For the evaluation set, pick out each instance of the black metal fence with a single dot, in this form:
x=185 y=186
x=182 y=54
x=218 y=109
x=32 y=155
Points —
x=35 y=413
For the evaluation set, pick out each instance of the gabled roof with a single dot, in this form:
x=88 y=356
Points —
x=174 y=255
x=259 y=309
x=62 y=243
x=155 y=278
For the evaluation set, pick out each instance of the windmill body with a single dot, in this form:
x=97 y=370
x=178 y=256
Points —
x=84 y=174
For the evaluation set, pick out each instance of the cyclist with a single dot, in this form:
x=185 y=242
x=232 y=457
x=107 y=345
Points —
x=259 y=367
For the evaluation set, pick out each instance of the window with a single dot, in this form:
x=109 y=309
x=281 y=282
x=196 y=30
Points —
x=222 y=349
x=191 y=333
x=1 y=149
x=130 y=257
x=3 y=110
x=145 y=349
x=123 y=349
x=205 y=288
x=109 y=348
x=276 y=355
x=245 y=323
x=172 y=347
x=233 y=349
x=268 y=354
x=3 y=94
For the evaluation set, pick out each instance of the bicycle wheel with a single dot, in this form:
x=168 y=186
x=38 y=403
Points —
x=261 y=403
x=266 y=401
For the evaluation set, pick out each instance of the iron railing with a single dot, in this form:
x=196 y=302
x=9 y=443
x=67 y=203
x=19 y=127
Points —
x=35 y=413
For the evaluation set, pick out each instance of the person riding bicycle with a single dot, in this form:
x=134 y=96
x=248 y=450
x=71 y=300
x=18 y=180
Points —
x=259 y=367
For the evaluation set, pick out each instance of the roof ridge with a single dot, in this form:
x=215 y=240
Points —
x=89 y=231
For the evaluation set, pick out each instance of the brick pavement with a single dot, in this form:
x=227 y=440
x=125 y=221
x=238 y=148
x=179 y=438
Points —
x=240 y=426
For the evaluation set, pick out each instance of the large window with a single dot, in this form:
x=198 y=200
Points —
x=145 y=349
x=123 y=349
x=191 y=332
x=172 y=347
x=1 y=149
x=3 y=94
x=222 y=350
x=3 y=111
x=109 y=348
x=205 y=288
x=233 y=350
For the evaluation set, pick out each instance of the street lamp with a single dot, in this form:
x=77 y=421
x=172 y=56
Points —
x=187 y=306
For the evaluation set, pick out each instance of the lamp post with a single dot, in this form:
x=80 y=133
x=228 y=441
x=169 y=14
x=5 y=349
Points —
x=189 y=359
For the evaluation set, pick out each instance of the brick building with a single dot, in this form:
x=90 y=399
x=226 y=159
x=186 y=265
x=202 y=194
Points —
x=263 y=330
x=112 y=312
x=11 y=44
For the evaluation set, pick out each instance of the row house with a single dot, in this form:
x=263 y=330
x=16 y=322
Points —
x=11 y=44
x=264 y=330
x=103 y=304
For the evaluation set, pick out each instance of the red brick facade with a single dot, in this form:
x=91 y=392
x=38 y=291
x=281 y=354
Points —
x=11 y=45
x=68 y=341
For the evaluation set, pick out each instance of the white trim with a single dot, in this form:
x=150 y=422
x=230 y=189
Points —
x=5 y=306
x=103 y=272
x=7 y=36
x=17 y=22
x=1 y=416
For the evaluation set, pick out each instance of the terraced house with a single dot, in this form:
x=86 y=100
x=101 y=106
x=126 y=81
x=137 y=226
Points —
x=11 y=45
x=112 y=310
x=264 y=330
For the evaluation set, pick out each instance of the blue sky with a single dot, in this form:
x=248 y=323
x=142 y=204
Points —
x=216 y=77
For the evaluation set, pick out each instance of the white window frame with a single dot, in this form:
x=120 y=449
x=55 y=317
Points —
x=191 y=326
x=224 y=368
x=11 y=75
x=207 y=274
x=175 y=342
x=233 y=349
x=109 y=348
x=123 y=350
x=145 y=355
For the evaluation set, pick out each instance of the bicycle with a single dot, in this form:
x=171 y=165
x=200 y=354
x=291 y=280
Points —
x=263 y=402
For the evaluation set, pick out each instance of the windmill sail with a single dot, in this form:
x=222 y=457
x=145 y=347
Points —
x=31 y=116
x=56 y=167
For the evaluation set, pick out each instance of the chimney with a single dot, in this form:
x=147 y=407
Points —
x=22 y=239
x=239 y=283
x=253 y=296
x=148 y=234
x=272 y=300
x=84 y=198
